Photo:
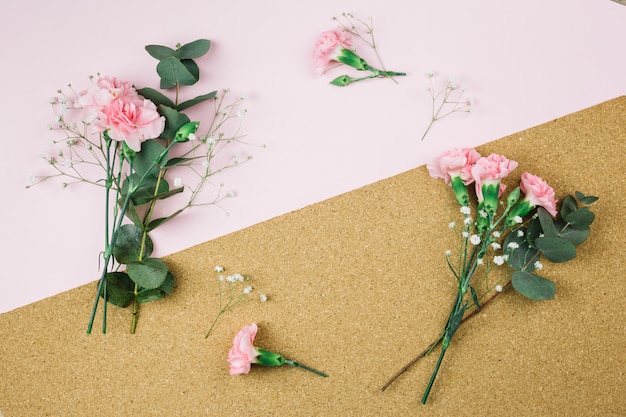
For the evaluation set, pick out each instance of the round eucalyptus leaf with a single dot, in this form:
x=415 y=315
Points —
x=580 y=219
x=521 y=257
x=556 y=249
x=149 y=273
x=568 y=206
x=575 y=236
x=128 y=245
x=146 y=296
x=168 y=285
x=533 y=286
x=120 y=289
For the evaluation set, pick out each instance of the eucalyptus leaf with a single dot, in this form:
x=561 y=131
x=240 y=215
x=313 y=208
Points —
x=586 y=199
x=149 y=273
x=575 y=236
x=178 y=161
x=173 y=121
x=547 y=222
x=169 y=193
x=533 y=286
x=193 y=69
x=174 y=72
x=120 y=289
x=157 y=222
x=519 y=258
x=160 y=52
x=195 y=49
x=156 y=97
x=556 y=249
x=130 y=245
x=131 y=213
x=534 y=231
x=151 y=158
x=146 y=190
x=148 y=295
x=192 y=102
x=168 y=285
x=568 y=206
x=580 y=219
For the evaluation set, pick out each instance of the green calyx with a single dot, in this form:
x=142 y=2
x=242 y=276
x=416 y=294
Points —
x=183 y=133
x=348 y=57
x=267 y=358
x=460 y=191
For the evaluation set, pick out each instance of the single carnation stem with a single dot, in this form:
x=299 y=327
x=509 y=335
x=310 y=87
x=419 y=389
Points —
x=434 y=375
x=299 y=365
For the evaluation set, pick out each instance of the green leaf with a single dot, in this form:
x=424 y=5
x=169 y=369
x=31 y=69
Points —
x=193 y=69
x=128 y=245
x=173 y=121
x=172 y=72
x=533 y=286
x=131 y=213
x=533 y=231
x=149 y=273
x=160 y=52
x=547 y=222
x=178 y=161
x=157 y=222
x=156 y=97
x=168 y=285
x=474 y=297
x=556 y=249
x=151 y=151
x=580 y=219
x=169 y=193
x=120 y=289
x=146 y=190
x=574 y=236
x=195 y=49
x=586 y=199
x=568 y=206
x=186 y=104
x=148 y=295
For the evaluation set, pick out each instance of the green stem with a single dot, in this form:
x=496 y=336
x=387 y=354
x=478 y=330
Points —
x=434 y=375
x=299 y=365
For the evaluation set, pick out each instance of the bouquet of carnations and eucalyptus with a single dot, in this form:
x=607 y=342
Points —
x=129 y=142
x=518 y=229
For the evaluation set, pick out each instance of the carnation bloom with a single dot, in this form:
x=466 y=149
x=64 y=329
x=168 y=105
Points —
x=538 y=193
x=328 y=47
x=491 y=170
x=115 y=106
x=454 y=163
x=243 y=353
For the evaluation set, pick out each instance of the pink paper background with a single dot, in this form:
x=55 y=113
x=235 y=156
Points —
x=523 y=63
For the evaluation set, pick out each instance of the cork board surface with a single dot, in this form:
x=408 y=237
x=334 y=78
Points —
x=357 y=286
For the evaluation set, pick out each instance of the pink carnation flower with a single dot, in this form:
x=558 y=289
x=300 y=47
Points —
x=243 y=353
x=538 y=193
x=116 y=107
x=491 y=170
x=328 y=47
x=454 y=163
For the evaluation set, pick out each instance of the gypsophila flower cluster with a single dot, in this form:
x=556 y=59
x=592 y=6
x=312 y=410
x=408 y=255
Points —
x=447 y=101
x=233 y=290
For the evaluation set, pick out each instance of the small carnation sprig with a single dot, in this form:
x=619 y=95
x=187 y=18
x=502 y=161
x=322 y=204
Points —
x=233 y=289
x=244 y=353
x=513 y=230
x=334 y=47
x=447 y=101
x=134 y=143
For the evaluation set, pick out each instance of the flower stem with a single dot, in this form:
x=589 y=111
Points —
x=434 y=375
x=299 y=365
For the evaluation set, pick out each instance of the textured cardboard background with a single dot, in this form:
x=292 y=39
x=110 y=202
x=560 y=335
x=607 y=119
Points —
x=357 y=286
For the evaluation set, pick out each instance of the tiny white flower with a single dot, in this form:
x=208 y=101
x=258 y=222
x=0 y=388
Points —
x=178 y=182
x=231 y=279
x=448 y=252
x=54 y=100
x=496 y=245
x=505 y=256
x=241 y=113
x=498 y=260
x=263 y=298
x=205 y=163
x=210 y=141
x=452 y=83
x=520 y=233
x=538 y=265
x=483 y=214
x=231 y=193
x=451 y=225
x=465 y=210
x=467 y=221
x=480 y=261
x=518 y=219
x=464 y=234
x=221 y=278
x=475 y=240
x=247 y=290
x=192 y=136
x=68 y=163
x=219 y=268
x=496 y=234
x=499 y=288
x=238 y=277
x=244 y=96
x=512 y=245
x=541 y=235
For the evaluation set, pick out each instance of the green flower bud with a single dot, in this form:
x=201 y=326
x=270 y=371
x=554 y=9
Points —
x=267 y=358
x=341 y=81
x=350 y=58
x=182 y=134
x=513 y=197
